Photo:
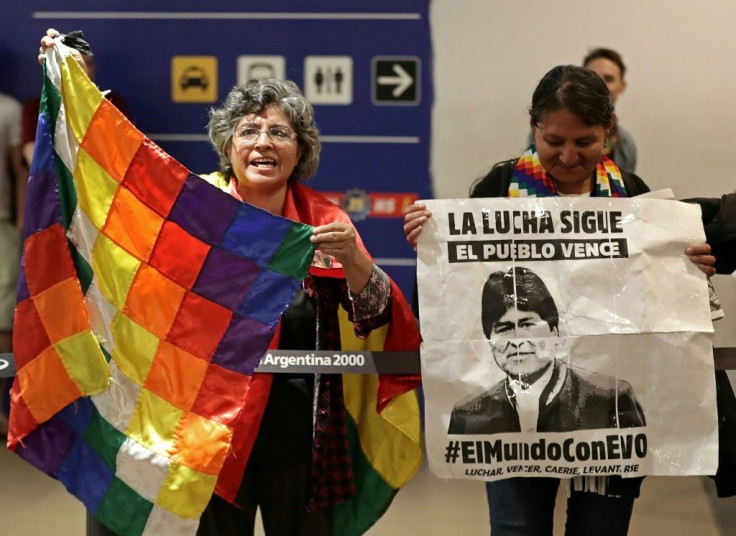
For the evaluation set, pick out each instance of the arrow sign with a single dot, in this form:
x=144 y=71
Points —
x=402 y=80
x=396 y=80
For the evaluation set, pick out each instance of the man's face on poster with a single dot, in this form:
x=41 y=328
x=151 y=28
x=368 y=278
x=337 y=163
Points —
x=515 y=346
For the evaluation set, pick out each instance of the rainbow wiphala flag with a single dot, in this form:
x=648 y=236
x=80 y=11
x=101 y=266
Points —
x=147 y=298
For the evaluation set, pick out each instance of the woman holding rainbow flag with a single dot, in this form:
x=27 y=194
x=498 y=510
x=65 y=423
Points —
x=318 y=455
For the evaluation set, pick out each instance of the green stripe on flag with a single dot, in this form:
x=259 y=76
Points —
x=104 y=439
x=50 y=100
x=51 y=103
x=291 y=259
x=105 y=353
x=123 y=510
x=67 y=192
x=84 y=270
x=373 y=494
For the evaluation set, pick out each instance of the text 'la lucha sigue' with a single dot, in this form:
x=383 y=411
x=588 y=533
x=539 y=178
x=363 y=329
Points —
x=535 y=222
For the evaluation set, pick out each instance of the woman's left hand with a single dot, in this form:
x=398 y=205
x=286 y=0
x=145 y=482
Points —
x=700 y=255
x=341 y=241
x=338 y=240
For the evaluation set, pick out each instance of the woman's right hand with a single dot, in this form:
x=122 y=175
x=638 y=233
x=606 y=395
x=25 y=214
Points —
x=415 y=217
x=46 y=42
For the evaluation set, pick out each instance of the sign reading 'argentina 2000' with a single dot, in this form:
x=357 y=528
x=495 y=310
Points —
x=556 y=332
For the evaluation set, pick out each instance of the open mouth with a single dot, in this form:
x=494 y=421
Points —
x=263 y=163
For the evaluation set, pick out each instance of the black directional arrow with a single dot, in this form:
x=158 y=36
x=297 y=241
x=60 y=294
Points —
x=396 y=80
x=401 y=81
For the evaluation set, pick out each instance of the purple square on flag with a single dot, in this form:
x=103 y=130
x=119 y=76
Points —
x=85 y=475
x=204 y=210
x=77 y=415
x=47 y=446
x=43 y=149
x=225 y=278
x=22 y=292
x=42 y=203
x=270 y=294
x=243 y=345
x=255 y=234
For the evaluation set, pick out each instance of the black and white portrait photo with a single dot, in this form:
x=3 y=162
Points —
x=541 y=392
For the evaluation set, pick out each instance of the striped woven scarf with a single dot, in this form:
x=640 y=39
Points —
x=531 y=180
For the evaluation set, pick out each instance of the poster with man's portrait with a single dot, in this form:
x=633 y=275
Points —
x=565 y=337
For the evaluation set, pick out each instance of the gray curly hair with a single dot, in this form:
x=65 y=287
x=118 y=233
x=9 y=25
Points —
x=255 y=96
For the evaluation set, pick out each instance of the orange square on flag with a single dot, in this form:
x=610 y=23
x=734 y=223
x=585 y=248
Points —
x=62 y=310
x=176 y=375
x=153 y=301
x=47 y=369
x=47 y=252
x=202 y=444
x=178 y=254
x=132 y=225
x=155 y=177
x=199 y=326
x=111 y=140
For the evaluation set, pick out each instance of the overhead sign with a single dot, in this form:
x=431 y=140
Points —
x=328 y=79
x=396 y=80
x=254 y=67
x=380 y=149
x=194 y=78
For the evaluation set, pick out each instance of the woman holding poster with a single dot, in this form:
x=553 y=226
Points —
x=571 y=117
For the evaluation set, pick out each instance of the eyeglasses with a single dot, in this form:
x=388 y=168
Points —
x=250 y=135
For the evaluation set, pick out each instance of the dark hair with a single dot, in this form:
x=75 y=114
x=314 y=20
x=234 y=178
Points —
x=255 y=96
x=574 y=88
x=606 y=54
x=76 y=40
x=520 y=288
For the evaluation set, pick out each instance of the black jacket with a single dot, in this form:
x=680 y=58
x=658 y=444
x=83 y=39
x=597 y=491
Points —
x=574 y=399
x=719 y=220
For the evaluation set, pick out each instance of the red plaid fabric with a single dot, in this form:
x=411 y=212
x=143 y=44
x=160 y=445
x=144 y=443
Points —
x=332 y=473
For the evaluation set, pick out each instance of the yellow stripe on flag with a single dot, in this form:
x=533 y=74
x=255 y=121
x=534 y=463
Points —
x=96 y=192
x=84 y=362
x=391 y=441
x=83 y=93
